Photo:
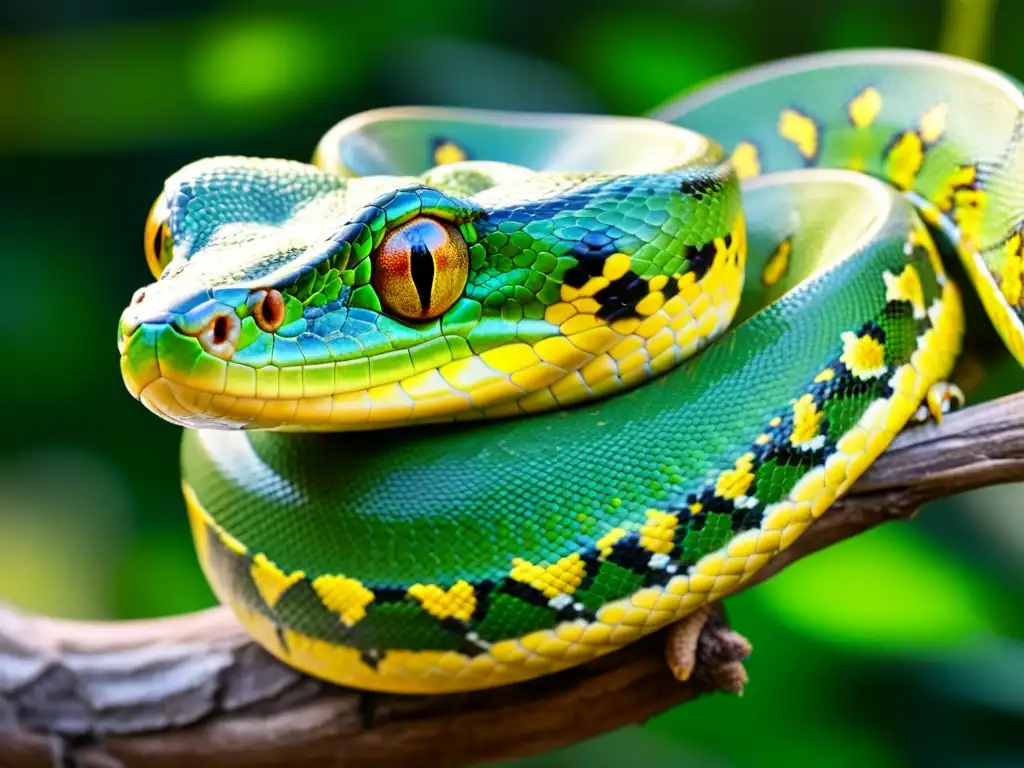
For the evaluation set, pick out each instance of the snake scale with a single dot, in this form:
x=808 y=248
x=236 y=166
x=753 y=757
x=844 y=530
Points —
x=476 y=396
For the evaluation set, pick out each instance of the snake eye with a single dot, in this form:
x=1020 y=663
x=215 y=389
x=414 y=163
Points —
x=421 y=268
x=159 y=246
x=268 y=309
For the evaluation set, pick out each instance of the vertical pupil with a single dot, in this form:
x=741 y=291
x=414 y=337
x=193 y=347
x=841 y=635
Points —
x=158 y=244
x=421 y=265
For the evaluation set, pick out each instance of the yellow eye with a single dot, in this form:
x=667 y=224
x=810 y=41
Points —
x=421 y=269
x=159 y=246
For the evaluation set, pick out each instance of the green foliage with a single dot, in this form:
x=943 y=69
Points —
x=889 y=590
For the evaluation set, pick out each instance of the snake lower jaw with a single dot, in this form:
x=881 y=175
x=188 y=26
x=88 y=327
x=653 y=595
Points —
x=188 y=406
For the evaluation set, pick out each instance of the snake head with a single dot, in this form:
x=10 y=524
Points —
x=293 y=297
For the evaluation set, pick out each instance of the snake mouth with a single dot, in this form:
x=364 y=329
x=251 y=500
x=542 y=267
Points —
x=177 y=377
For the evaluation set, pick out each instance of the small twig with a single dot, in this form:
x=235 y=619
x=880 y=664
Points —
x=194 y=689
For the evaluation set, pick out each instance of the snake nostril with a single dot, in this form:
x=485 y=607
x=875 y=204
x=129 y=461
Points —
x=220 y=330
x=220 y=337
x=269 y=310
x=139 y=297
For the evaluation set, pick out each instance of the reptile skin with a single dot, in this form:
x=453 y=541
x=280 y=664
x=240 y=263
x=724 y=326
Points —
x=447 y=426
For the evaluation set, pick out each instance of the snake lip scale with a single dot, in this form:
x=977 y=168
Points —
x=475 y=396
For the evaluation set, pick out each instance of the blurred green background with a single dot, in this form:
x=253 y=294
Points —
x=904 y=646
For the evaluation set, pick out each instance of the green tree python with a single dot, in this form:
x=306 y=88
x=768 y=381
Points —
x=454 y=417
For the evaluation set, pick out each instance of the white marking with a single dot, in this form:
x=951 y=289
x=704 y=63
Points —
x=559 y=602
x=237 y=460
x=474 y=638
x=816 y=443
x=657 y=562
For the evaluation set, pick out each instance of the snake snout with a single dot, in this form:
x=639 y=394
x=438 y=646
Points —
x=133 y=317
x=175 y=347
x=154 y=305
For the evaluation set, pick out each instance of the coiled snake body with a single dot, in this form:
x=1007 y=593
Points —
x=446 y=424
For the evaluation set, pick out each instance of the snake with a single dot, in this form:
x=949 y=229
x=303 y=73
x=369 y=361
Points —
x=476 y=396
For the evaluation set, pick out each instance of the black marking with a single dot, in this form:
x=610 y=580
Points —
x=659 y=577
x=524 y=592
x=628 y=553
x=591 y=253
x=591 y=557
x=385 y=595
x=873 y=330
x=470 y=648
x=281 y=639
x=843 y=384
x=371 y=657
x=745 y=519
x=453 y=625
x=709 y=502
x=482 y=592
x=461 y=629
x=701 y=258
x=575 y=611
x=617 y=314
x=671 y=287
x=787 y=454
x=619 y=298
x=421 y=268
x=576 y=277
x=901 y=309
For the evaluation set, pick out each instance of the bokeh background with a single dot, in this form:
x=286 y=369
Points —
x=904 y=646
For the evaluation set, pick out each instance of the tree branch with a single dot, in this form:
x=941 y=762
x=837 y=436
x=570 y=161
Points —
x=192 y=688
